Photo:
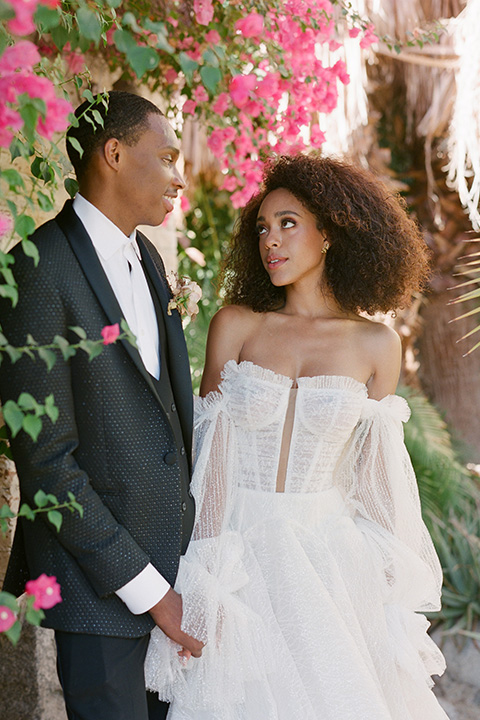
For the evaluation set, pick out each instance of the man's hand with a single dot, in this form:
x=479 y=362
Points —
x=167 y=614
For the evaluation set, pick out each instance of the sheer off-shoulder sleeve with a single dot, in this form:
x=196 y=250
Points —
x=376 y=475
x=210 y=575
x=380 y=487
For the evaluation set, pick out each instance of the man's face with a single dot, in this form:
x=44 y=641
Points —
x=148 y=177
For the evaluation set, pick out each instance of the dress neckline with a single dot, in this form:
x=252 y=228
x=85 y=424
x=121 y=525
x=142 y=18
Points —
x=313 y=381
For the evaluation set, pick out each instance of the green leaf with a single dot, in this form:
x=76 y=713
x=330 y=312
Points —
x=60 y=37
x=6 y=11
x=114 y=3
x=40 y=499
x=211 y=58
x=8 y=600
x=24 y=225
x=13 y=634
x=98 y=118
x=65 y=348
x=48 y=357
x=188 y=66
x=13 y=178
x=26 y=512
x=124 y=40
x=42 y=170
x=46 y=18
x=13 y=353
x=142 y=59
x=211 y=76
x=34 y=617
x=88 y=95
x=71 y=186
x=76 y=145
x=51 y=410
x=55 y=517
x=13 y=416
x=31 y=250
x=89 y=24
x=27 y=402
x=45 y=202
x=6 y=512
x=32 y=426
x=78 y=331
x=95 y=351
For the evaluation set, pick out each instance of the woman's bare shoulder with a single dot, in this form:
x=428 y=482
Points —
x=229 y=328
x=381 y=344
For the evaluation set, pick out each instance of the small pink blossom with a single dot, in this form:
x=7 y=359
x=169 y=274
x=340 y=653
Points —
x=221 y=104
x=203 y=10
x=317 y=137
x=22 y=24
x=45 y=590
x=6 y=224
x=7 y=618
x=354 y=32
x=10 y=122
x=200 y=94
x=216 y=142
x=185 y=203
x=110 y=333
x=230 y=183
x=189 y=107
x=171 y=75
x=75 y=62
x=23 y=55
x=251 y=25
x=240 y=88
x=369 y=38
x=212 y=37
x=56 y=118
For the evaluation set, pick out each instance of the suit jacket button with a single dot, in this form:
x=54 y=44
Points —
x=184 y=506
x=170 y=458
x=182 y=451
x=174 y=407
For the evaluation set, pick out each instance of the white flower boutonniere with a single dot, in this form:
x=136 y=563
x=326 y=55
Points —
x=186 y=295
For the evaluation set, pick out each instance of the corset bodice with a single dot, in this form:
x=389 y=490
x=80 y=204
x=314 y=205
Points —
x=325 y=410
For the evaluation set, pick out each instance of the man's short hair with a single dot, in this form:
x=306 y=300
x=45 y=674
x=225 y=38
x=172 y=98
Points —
x=125 y=117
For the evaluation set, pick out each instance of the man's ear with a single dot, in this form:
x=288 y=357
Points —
x=111 y=153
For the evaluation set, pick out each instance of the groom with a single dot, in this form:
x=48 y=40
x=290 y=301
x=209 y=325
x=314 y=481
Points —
x=122 y=442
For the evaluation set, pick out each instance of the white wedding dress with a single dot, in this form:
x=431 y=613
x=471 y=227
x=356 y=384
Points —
x=309 y=560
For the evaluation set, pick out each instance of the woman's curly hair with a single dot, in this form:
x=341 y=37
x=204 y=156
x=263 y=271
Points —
x=377 y=257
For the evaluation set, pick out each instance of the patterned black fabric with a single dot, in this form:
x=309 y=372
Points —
x=115 y=444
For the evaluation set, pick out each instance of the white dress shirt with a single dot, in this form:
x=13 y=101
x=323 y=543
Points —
x=114 y=250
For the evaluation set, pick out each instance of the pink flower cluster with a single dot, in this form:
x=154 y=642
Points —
x=271 y=107
x=45 y=590
x=17 y=77
x=22 y=24
x=110 y=333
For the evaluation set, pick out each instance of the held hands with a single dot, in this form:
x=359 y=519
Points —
x=167 y=614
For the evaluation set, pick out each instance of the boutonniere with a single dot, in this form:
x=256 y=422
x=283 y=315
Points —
x=186 y=295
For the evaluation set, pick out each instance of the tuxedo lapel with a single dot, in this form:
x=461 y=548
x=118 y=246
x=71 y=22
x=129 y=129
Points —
x=178 y=366
x=85 y=252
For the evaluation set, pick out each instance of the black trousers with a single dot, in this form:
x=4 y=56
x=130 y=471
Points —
x=102 y=678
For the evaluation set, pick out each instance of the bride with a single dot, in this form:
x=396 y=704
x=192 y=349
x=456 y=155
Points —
x=310 y=565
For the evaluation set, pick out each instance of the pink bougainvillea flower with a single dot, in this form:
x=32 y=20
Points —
x=75 y=62
x=6 y=224
x=184 y=203
x=7 y=618
x=212 y=37
x=216 y=142
x=251 y=25
x=110 y=333
x=354 y=32
x=23 y=55
x=201 y=94
x=369 y=38
x=317 y=137
x=240 y=88
x=203 y=10
x=189 y=107
x=10 y=122
x=221 y=104
x=22 y=24
x=45 y=590
x=171 y=75
x=56 y=118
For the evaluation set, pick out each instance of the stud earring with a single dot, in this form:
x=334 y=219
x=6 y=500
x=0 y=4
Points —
x=325 y=247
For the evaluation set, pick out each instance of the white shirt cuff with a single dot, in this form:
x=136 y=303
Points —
x=144 y=591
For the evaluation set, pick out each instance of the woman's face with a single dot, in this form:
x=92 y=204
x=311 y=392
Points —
x=290 y=243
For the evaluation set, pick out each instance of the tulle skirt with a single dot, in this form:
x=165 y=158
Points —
x=301 y=622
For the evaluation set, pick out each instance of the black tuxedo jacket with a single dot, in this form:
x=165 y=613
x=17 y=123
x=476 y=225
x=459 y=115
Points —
x=121 y=444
